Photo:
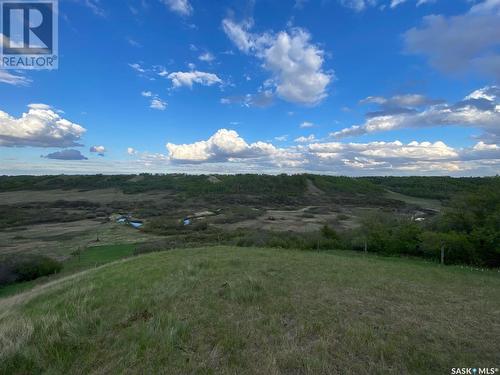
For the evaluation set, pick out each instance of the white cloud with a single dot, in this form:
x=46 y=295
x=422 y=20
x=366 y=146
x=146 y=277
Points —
x=281 y=138
x=181 y=7
x=481 y=146
x=162 y=72
x=422 y=2
x=13 y=79
x=396 y=158
x=189 y=78
x=359 y=5
x=155 y=101
x=41 y=126
x=100 y=150
x=382 y=152
x=137 y=67
x=239 y=34
x=159 y=104
x=134 y=43
x=297 y=68
x=40 y=106
x=306 y=124
x=308 y=139
x=295 y=63
x=395 y=3
x=95 y=7
x=407 y=100
x=207 y=57
x=229 y=151
x=489 y=93
x=460 y=44
x=131 y=151
x=224 y=145
x=480 y=109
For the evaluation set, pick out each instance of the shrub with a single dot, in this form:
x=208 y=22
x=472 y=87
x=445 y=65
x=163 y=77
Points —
x=28 y=267
x=329 y=233
x=35 y=266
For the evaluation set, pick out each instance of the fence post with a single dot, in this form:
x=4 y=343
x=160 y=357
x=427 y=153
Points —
x=366 y=246
x=442 y=254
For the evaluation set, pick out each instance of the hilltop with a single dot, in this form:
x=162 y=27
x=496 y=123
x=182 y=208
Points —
x=232 y=310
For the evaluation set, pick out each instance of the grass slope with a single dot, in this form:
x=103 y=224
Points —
x=91 y=257
x=255 y=311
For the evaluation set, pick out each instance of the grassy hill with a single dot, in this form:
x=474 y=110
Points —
x=232 y=310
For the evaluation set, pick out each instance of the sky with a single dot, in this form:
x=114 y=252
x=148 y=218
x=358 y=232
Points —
x=341 y=87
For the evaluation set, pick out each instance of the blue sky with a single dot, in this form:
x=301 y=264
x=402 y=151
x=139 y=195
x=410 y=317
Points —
x=352 y=87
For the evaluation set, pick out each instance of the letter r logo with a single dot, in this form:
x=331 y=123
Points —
x=27 y=27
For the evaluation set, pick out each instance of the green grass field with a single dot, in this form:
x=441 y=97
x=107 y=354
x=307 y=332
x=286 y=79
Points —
x=254 y=311
x=91 y=257
x=97 y=256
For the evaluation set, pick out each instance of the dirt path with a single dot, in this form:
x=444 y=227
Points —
x=313 y=189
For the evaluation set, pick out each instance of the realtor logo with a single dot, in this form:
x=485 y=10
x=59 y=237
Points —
x=29 y=34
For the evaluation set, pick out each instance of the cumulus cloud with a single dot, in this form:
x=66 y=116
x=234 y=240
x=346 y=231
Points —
x=295 y=64
x=378 y=156
x=99 y=150
x=238 y=33
x=460 y=44
x=482 y=151
x=207 y=57
x=159 y=104
x=398 y=158
x=224 y=145
x=181 y=7
x=227 y=148
x=155 y=101
x=131 y=151
x=480 y=109
x=66 y=155
x=180 y=79
x=41 y=126
x=303 y=139
x=14 y=79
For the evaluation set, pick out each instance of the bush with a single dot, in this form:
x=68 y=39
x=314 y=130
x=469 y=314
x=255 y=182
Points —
x=329 y=233
x=28 y=267
x=287 y=240
x=457 y=247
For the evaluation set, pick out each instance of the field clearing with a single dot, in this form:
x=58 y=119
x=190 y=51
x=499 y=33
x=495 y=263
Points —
x=255 y=311
x=425 y=203
x=301 y=220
